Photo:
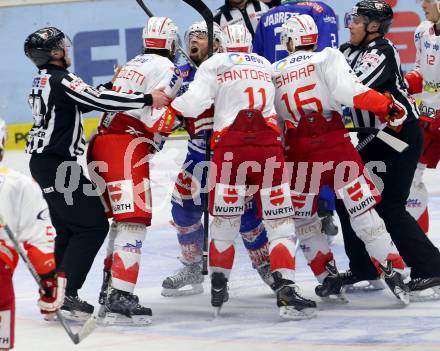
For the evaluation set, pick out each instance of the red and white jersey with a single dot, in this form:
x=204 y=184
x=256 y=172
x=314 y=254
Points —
x=143 y=74
x=428 y=65
x=232 y=81
x=314 y=82
x=25 y=211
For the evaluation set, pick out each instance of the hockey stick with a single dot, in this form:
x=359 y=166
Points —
x=387 y=138
x=207 y=15
x=88 y=326
x=184 y=54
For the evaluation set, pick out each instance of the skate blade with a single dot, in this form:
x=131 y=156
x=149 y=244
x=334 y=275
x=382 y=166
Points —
x=50 y=317
x=290 y=313
x=76 y=315
x=402 y=295
x=430 y=294
x=217 y=311
x=365 y=286
x=110 y=319
x=335 y=299
x=194 y=290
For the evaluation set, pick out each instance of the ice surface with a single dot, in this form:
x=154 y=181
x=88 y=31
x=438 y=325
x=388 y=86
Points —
x=249 y=321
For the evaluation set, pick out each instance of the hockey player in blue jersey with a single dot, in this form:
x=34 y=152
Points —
x=267 y=43
x=187 y=211
x=267 y=35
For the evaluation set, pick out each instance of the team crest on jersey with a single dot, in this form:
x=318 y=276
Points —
x=121 y=196
x=229 y=199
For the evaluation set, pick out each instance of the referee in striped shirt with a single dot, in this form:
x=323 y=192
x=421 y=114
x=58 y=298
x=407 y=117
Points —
x=376 y=62
x=58 y=99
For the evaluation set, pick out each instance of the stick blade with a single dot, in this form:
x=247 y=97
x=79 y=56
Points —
x=88 y=327
x=392 y=141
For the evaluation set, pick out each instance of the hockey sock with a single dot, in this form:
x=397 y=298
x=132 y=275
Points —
x=257 y=245
x=370 y=228
x=281 y=246
x=127 y=255
x=191 y=241
x=314 y=245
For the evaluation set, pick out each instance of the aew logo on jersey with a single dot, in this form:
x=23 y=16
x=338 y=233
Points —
x=121 y=196
x=302 y=204
x=242 y=59
x=276 y=202
x=229 y=199
x=357 y=196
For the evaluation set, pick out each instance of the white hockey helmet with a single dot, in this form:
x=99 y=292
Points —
x=160 y=33
x=3 y=134
x=202 y=28
x=301 y=29
x=237 y=38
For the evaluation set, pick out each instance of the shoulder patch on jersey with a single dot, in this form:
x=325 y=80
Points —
x=78 y=85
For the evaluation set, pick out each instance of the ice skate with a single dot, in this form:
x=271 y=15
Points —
x=219 y=291
x=123 y=308
x=331 y=288
x=187 y=281
x=104 y=287
x=266 y=275
x=76 y=309
x=395 y=282
x=424 y=289
x=292 y=305
x=352 y=284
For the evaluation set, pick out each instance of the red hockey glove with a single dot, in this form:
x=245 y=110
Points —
x=396 y=114
x=414 y=80
x=203 y=122
x=434 y=126
x=52 y=294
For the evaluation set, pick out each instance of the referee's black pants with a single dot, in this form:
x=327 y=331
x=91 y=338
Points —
x=414 y=246
x=81 y=225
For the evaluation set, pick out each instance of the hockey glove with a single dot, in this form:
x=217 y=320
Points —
x=203 y=122
x=396 y=114
x=52 y=294
x=414 y=81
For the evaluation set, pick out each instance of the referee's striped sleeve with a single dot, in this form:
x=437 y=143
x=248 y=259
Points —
x=105 y=100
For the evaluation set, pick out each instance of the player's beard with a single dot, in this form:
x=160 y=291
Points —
x=197 y=54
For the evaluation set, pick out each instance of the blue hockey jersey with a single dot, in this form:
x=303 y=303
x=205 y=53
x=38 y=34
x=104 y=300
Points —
x=267 y=35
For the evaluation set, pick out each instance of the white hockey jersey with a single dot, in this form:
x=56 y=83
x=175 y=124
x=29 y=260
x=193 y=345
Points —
x=143 y=74
x=25 y=211
x=314 y=82
x=233 y=81
x=428 y=65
